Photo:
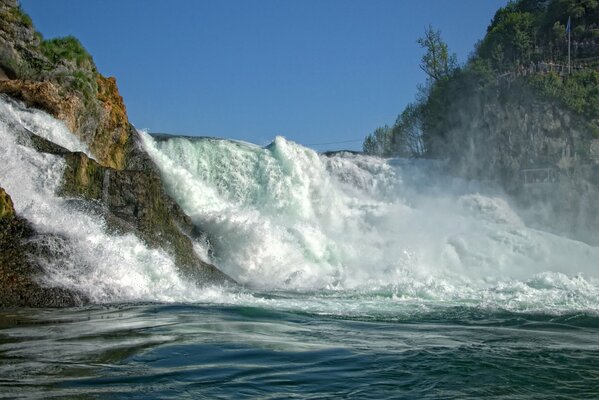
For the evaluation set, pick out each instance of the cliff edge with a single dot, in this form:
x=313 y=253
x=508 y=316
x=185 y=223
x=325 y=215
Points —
x=59 y=77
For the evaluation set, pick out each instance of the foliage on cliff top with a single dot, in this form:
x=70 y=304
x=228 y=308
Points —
x=80 y=79
x=62 y=60
x=536 y=30
x=66 y=48
x=521 y=35
x=579 y=92
x=16 y=14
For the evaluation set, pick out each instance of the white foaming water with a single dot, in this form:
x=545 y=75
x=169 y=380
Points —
x=284 y=217
x=356 y=235
x=14 y=114
x=105 y=267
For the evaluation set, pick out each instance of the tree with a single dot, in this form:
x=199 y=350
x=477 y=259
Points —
x=407 y=135
x=379 y=142
x=510 y=38
x=437 y=63
x=369 y=145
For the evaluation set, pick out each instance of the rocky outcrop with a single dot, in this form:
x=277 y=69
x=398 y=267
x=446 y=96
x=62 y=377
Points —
x=131 y=200
x=121 y=182
x=7 y=209
x=60 y=77
x=135 y=201
x=494 y=134
x=114 y=131
x=18 y=41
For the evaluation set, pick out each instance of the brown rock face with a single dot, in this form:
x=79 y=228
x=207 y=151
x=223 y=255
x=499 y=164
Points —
x=7 y=209
x=45 y=96
x=106 y=135
x=51 y=76
x=113 y=130
x=103 y=124
x=60 y=77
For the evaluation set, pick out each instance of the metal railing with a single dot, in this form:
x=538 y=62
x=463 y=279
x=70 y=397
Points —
x=534 y=176
x=542 y=67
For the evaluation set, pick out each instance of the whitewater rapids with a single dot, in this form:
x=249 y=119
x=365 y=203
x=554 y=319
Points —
x=286 y=217
x=343 y=233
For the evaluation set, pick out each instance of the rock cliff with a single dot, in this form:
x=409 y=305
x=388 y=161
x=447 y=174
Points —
x=58 y=76
x=537 y=150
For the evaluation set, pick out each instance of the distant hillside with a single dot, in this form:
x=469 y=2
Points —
x=525 y=50
x=517 y=112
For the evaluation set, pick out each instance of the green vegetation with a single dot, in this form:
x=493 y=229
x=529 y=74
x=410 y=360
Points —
x=579 y=91
x=66 y=48
x=525 y=48
x=82 y=79
x=86 y=84
x=16 y=14
x=437 y=62
x=22 y=17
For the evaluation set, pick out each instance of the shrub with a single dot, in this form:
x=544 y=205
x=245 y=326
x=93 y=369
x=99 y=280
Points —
x=22 y=17
x=66 y=48
x=578 y=91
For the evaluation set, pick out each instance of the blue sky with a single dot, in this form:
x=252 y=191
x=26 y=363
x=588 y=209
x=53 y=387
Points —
x=314 y=71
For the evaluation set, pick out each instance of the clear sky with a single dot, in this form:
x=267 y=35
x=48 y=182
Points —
x=314 y=71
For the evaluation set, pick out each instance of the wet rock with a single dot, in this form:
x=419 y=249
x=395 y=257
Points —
x=134 y=201
x=7 y=209
x=122 y=183
x=21 y=271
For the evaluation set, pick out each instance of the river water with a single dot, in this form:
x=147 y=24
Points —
x=235 y=351
x=359 y=278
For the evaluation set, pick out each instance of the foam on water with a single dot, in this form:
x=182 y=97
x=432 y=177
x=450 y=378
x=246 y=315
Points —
x=14 y=115
x=286 y=218
x=104 y=266
x=346 y=234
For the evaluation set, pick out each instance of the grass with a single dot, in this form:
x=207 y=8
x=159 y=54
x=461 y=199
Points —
x=16 y=14
x=19 y=15
x=66 y=48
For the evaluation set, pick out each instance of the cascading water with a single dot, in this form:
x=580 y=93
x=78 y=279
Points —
x=285 y=217
x=331 y=229
x=103 y=266
x=364 y=278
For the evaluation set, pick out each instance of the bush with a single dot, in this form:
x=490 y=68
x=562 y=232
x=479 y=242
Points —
x=15 y=15
x=66 y=48
x=578 y=91
x=22 y=17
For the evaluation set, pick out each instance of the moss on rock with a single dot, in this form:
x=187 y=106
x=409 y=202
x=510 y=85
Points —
x=83 y=177
x=134 y=201
x=7 y=209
